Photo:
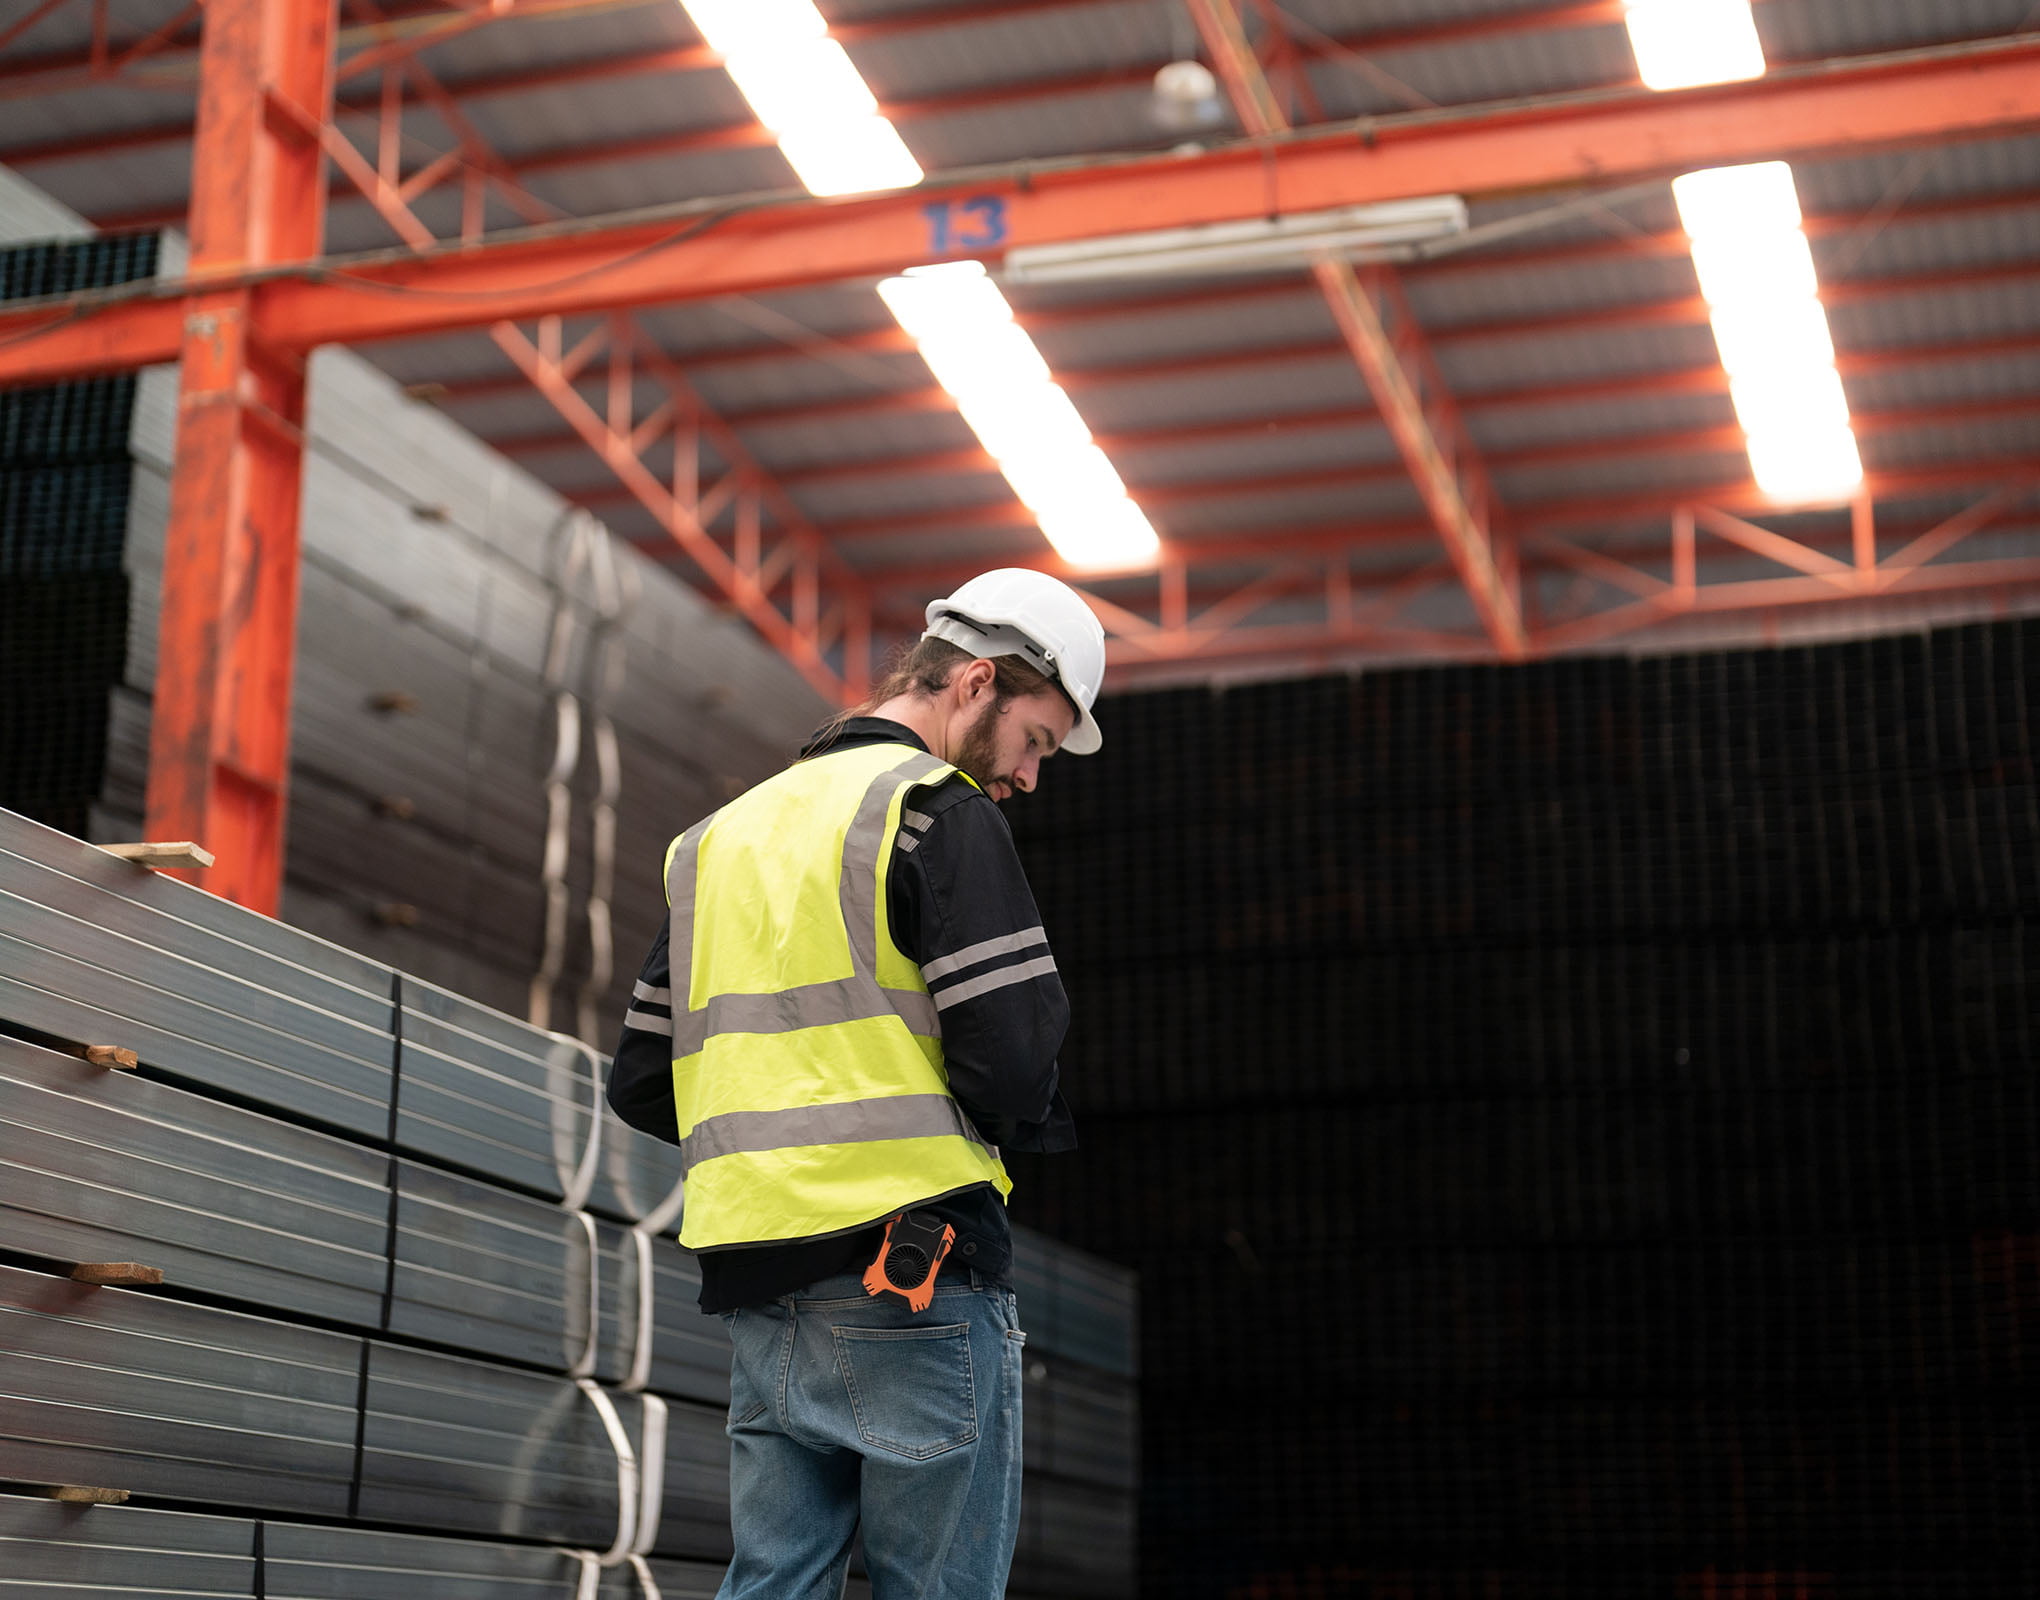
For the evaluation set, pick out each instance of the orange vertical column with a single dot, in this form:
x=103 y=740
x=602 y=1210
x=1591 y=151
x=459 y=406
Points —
x=219 y=751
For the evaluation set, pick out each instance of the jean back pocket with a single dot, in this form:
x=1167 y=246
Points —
x=910 y=1388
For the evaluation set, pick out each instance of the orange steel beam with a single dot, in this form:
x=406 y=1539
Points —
x=219 y=748
x=1388 y=345
x=755 y=244
x=890 y=340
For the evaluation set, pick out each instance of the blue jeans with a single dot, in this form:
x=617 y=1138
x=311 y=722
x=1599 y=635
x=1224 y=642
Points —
x=849 y=1411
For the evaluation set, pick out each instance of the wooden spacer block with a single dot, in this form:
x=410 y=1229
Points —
x=182 y=853
x=111 y=1055
x=116 y=1274
x=77 y=1494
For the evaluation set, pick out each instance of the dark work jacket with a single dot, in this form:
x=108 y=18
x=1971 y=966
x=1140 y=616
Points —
x=959 y=889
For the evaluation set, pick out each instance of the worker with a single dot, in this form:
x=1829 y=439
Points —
x=852 y=1012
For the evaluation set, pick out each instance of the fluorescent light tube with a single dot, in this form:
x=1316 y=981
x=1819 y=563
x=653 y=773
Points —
x=1760 y=337
x=1238 y=246
x=1014 y=423
x=733 y=27
x=1755 y=268
x=1110 y=536
x=1681 y=44
x=1026 y=423
x=802 y=84
x=934 y=302
x=1758 y=198
x=997 y=356
x=1807 y=465
x=850 y=157
x=1060 y=483
x=1788 y=402
x=1735 y=270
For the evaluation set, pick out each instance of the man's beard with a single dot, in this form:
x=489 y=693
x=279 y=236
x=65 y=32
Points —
x=979 y=753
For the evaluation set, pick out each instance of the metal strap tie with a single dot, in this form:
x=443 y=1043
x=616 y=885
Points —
x=582 y=1183
x=628 y=1479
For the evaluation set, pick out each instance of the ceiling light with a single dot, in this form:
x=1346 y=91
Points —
x=1186 y=97
x=1112 y=535
x=936 y=300
x=1011 y=423
x=1757 y=197
x=803 y=86
x=1755 y=267
x=1736 y=269
x=850 y=157
x=1061 y=482
x=997 y=356
x=1807 y=465
x=1259 y=245
x=804 y=83
x=1764 y=336
x=1680 y=44
x=733 y=27
x=1026 y=423
x=1787 y=402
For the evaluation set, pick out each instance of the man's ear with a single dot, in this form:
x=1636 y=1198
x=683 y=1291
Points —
x=974 y=678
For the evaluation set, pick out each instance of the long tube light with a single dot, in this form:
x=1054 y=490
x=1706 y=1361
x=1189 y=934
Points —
x=1755 y=267
x=803 y=87
x=1364 y=232
x=1681 y=44
x=966 y=333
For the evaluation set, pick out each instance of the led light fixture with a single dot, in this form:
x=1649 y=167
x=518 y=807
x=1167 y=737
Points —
x=1681 y=44
x=1357 y=232
x=1755 y=267
x=803 y=87
x=967 y=335
x=1756 y=272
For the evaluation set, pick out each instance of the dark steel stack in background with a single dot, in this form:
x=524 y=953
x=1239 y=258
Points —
x=1575 y=1123
x=64 y=594
x=366 y=1196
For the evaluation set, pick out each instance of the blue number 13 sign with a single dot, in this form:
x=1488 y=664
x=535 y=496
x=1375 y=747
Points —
x=960 y=227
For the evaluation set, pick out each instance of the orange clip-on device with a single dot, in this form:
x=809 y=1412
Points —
x=912 y=1252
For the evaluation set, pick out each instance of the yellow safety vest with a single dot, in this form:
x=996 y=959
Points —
x=808 y=1077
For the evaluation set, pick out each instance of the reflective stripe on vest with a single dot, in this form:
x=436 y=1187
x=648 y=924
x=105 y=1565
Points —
x=858 y=1158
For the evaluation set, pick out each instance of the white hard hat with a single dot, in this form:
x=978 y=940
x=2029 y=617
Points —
x=1017 y=612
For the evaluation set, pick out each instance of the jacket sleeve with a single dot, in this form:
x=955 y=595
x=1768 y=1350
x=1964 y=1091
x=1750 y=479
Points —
x=641 y=1076
x=964 y=912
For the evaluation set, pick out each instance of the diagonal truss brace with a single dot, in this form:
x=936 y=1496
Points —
x=1654 y=598
x=773 y=567
x=1375 y=321
x=779 y=574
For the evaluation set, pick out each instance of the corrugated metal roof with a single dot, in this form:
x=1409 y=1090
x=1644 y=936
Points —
x=1551 y=338
x=1806 y=30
